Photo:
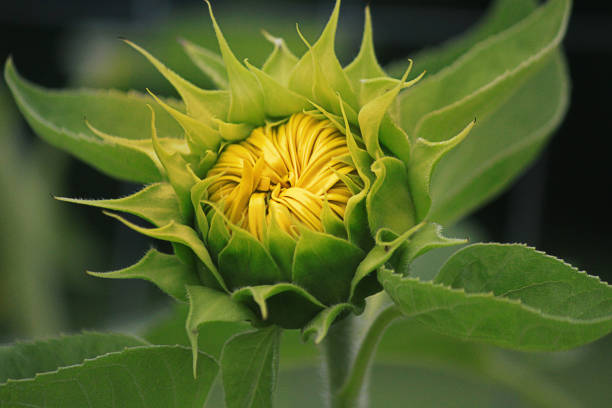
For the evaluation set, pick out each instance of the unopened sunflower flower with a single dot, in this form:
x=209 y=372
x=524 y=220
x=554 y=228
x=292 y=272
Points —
x=291 y=186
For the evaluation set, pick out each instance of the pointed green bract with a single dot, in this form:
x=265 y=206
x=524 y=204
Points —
x=324 y=265
x=284 y=304
x=246 y=99
x=245 y=261
x=207 y=306
x=201 y=104
x=389 y=202
x=365 y=65
x=281 y=247
x=249 y=366
x=425 y=157
x=371 y=116
x=200 y=136
x=319 y=326
x=209 y=63
x=427 y=238
x=281 y=61
x=180 y=234
x=177 y=171
x=167 y=272
x=156 y=203
x=322 y=52
x=332 y=224
x=378 y=255
x=279 y=101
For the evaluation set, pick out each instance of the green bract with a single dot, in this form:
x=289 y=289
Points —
x=395 y=136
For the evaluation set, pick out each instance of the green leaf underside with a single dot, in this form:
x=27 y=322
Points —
x=481 y=166
x=324 y=265
x=249 y=367
x=59 y=118
x=245 y=261
x=156 y=203
x=167 y=272
x=146 y=376
x=284 y=304
x=504 y=57
x=510 y=296
x=319 y=326
x=25 y=360
x=501 y=15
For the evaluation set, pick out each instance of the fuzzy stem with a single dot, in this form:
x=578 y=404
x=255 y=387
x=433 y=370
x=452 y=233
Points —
x=351 y=393
x=337 y=351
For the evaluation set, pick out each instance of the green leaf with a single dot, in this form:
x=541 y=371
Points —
x=209 y=306
x=284 y=304
x=249 y=367
x=427 y=238
x=507 y=295
x=25 y=360
x=58 y=117
x=501 y=15
x=246 y=99
x=209 y=63
x=146 y=376
x=389 y=202
x=245 y=262
x=324 y=265
x=479 y=81
x=170 y=329
x=482 y=166
x=156 y=203
x=167 y=272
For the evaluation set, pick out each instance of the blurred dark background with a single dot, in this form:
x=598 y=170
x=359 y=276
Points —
x=560 y=205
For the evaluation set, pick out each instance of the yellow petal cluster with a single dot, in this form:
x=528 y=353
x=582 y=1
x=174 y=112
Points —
x=283 y=173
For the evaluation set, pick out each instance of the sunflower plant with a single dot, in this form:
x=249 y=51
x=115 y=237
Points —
x=300 y=193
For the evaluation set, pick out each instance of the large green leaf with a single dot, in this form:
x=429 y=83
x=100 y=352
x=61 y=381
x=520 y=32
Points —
x=145 y=376
x=249 y=366
x=476 y=84
x=24 y=360
x=59 y=118
x=507 y=295
x=501 y=145
x=502 y=15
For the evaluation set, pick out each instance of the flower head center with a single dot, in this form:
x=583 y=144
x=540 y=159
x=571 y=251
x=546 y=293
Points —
x=284 y=173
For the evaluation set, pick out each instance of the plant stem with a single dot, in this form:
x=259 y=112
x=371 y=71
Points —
x=351 y=393
x=337 y=350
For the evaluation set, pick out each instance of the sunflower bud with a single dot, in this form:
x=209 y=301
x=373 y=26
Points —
x=289 y=187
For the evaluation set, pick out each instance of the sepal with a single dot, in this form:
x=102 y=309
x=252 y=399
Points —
x=209 y=63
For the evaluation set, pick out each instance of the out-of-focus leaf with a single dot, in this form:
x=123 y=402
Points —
x=24 y=360
x=145 y=376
